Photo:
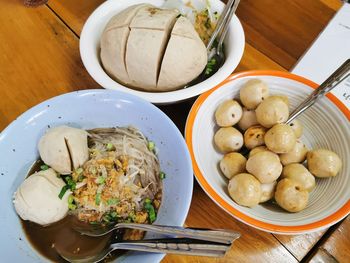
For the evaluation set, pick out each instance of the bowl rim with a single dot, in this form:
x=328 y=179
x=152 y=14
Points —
x=268 y=227
x=167 y=97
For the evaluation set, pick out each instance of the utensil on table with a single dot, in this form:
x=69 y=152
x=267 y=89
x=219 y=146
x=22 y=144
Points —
x=342 y=73
x=219 y=236
x=169 y=246
x=198 y=242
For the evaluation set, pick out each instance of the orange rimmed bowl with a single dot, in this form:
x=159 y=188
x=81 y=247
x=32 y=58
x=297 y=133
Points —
x=326 y=125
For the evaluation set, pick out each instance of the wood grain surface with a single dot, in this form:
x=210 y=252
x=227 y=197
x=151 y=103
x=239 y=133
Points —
x=40 y=59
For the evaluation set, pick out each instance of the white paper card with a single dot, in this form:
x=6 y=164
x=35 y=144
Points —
x=328 y=52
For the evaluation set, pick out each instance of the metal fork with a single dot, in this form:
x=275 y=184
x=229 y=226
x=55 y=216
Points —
x=342 y=73
x=218 y=236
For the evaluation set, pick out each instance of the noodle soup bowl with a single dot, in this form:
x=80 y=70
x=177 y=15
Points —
x=90 y=109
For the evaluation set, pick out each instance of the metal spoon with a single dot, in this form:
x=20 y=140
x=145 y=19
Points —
x=342 y=73
x=169 y=246
x=216 y=55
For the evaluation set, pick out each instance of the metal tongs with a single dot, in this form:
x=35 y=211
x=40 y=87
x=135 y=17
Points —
x=342 y=73
x=186 y=241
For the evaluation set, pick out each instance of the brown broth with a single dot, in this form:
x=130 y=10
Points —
x=62 y=236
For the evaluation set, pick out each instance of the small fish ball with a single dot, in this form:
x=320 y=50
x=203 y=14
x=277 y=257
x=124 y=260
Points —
x=265 y=166
x=257 y=150
x=297 y=127
x=323 y=163
x=297 y=172
x=267 y=191
x=280 y=138
x=228 y=113
x=290 y=196
x=245 y=189
x=253 y=93
x=228 y=139
x=232 y=164
x=271 y=111
x=254 y=136
x=248 y=119
x=296 y=155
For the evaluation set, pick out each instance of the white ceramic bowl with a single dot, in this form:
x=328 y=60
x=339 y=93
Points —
x=90 y=50
x=326 y=125
x=89 y=109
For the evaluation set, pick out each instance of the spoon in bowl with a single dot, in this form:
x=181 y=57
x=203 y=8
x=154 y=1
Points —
x=342 y=73
x=216 y=55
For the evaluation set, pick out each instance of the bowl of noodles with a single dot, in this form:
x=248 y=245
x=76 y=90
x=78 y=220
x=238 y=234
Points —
x=90 y=157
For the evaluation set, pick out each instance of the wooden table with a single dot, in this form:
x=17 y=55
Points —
x=39 y=59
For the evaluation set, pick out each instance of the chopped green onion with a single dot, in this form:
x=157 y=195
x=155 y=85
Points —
x=151 y=212
x=100 y=180
x=98 y=199
x=79 y=170
x=132 y=217
x=147 y=201
x=162 y=175
x=114 y=214
x=63 y=191
x=72 y=206
x=151 y=146
x=113 y=201
x=109 y=147
x=94 y=223
x=70 y=199
x=70 y=182
x=81 y=178
x=44 y=167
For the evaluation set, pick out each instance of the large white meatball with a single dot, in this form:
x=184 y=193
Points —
x=64 y=147
x=36 y=199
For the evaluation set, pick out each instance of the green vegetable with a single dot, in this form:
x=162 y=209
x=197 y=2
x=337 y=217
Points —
x=132 y=217
x=70 y=199
x=72 y=206
x=100 y=180
x=79 y=170
x=162 y=175
x=71 y=183
x=63 y=191
x=109 y=147
x=112 y=201
x=98 y=199
x=94 y=223
x=151 y=212
x=210 y=66
x=151 y=145
x=148 y=201
x=44 y=167
x=114 y=214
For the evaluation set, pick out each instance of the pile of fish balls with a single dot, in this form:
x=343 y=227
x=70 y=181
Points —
x=275 y=167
